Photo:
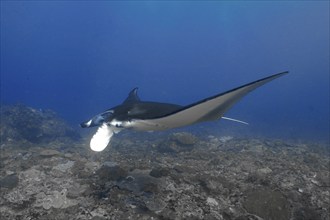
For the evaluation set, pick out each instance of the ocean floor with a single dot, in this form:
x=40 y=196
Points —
x=173 y=176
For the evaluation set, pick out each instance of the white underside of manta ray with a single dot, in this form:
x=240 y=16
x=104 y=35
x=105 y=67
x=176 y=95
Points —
x=154 y=116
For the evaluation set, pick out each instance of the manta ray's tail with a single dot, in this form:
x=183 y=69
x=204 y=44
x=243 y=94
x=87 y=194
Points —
x=235 y=120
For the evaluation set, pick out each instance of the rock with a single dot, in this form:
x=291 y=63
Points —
x=168 y=147
x=76 y=190
x=264 y=171
x=225 y=138
x=178 y=142
x=63 y=167
x=138 y=181
x=159 y=172
x=10 y=181
x=54 y=200
x=98 y=218
x=49 y=153
x=261 y=176
x=111 y=172
x=267 y=204
x=306 y=213
x=68 y=155
x=155 y=205
x=213 y=185
x=211 y=201
x=22 y=123
x=258 y=148
x=184 y=138
x=89 y=166
x=9 y=172
x=323 y=179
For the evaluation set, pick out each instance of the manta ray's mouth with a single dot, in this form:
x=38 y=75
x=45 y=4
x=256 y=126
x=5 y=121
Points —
x=98 y=119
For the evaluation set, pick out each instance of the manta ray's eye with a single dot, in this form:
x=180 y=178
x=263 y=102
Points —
x=107 y=115
x=98 y=120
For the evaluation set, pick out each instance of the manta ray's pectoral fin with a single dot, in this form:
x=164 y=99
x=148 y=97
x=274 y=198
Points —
x=208 y=109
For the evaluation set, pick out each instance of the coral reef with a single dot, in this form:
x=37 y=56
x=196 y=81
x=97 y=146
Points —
x=25 y=124
x=175 y=176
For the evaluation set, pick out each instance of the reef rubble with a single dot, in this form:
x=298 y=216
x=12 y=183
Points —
x=175 y=176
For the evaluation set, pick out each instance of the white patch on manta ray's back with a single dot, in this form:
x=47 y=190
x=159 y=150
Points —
x=116 y=123
x=101 y=138
x=119 y=125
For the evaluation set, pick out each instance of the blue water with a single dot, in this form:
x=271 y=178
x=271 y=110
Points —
x=79 y=58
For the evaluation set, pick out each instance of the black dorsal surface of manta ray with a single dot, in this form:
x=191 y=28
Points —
x=155 y=116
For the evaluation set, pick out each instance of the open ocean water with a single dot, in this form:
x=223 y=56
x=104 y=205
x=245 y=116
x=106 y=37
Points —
x=63 y=62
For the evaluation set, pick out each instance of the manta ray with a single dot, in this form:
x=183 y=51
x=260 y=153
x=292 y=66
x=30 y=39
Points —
x=140 y=115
